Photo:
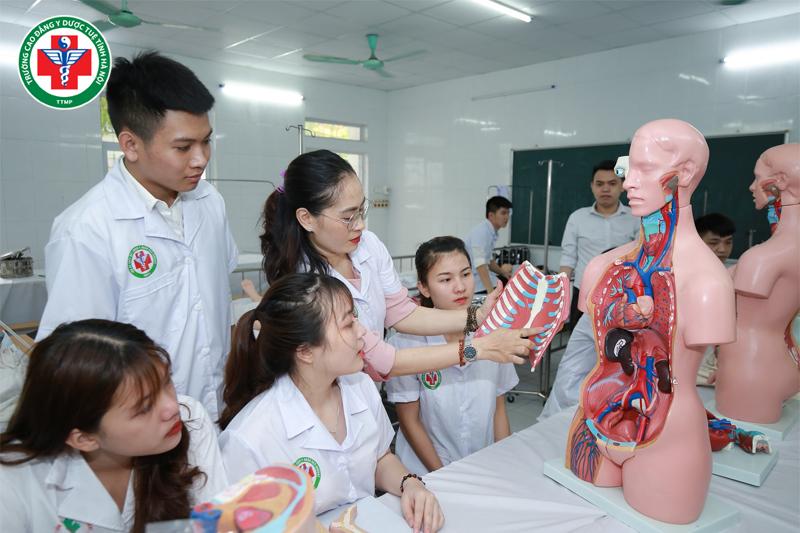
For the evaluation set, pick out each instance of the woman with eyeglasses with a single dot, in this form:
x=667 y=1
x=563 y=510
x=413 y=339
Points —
x=314 y=222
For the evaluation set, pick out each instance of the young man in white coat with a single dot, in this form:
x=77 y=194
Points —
x=150 y=244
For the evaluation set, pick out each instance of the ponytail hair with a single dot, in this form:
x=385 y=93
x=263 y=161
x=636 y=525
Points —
x=428 y=254
x=311 y=181
x=293 y=313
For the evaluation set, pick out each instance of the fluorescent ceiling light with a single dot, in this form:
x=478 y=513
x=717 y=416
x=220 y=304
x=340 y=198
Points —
x=260 y=93
x=505 y=10
x=763 y=56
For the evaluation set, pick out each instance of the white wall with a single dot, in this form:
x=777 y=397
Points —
x=49 y=158
x=436 y=148
x=445 y=149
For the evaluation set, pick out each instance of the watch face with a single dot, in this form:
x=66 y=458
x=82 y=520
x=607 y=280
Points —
x=470 y=353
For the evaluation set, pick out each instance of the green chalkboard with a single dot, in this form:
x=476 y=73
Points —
x=722 y=190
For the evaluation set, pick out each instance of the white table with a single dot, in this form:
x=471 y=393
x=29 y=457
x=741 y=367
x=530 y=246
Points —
x=23 y=299
x=502 y=489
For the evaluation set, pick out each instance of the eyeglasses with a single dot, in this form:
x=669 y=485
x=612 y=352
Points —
x=354 y=219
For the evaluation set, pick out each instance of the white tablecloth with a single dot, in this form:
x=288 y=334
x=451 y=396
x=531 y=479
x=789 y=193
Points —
x=502 y=489
x=22 y=299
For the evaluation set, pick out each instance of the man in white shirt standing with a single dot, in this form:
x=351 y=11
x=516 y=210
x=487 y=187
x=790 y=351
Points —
x=480 y=243
x=150 y=244
x=590 y=230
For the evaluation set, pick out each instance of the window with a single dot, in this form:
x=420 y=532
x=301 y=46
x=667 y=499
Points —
x=111 y=156
x=333 y=130
x=111 y=151
x=347 y=140
x=358 y=162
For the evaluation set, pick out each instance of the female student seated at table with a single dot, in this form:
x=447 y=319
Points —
x=315 y=222
x=449 y=414
x=100 y=440
x=295 y=393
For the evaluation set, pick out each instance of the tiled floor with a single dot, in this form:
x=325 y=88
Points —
x=525 y=408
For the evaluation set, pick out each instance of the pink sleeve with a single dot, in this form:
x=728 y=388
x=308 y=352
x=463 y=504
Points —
x=378 y=357
x=398 y=307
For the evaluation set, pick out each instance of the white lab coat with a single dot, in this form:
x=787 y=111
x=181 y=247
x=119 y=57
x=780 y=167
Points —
x=456 y=407
x=378 y=279
x=57 y=494
x=279 y=426
x=480 y=243
x=184 y=304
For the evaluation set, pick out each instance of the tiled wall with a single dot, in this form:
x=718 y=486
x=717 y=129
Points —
x=445 y=148
x=49 y=158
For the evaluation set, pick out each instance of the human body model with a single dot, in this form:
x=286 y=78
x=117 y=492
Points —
x=759 y=371
x=655 y=304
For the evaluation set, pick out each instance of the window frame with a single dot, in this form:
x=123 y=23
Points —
x=362 y=128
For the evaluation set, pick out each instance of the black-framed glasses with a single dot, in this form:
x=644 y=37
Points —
x=354 y=219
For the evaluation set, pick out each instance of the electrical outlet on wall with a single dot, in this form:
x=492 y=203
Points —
x=380 y=203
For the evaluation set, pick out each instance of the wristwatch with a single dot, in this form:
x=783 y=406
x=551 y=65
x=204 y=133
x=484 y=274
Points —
x=470 y=353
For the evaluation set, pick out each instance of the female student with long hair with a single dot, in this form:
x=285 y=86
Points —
x=315 y=222
x=449 y=414
x=99 y=439
x=295 y=393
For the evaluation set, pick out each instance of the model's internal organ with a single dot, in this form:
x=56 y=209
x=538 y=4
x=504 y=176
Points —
x=273 y=499
x=773 y=213
x=724 y=435
x=792 y=342
x=531 y=299
x=773 y=217
x=626 y=398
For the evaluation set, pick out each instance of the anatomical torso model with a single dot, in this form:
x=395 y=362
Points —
x=655 y=305
x=760 y=371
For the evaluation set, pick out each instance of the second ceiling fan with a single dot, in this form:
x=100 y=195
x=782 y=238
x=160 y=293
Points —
x=372 y=63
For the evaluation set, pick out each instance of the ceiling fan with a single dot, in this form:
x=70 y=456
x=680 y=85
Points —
x=124 y=17
x=371 y=63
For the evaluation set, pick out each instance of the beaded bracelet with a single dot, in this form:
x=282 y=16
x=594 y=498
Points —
x=472 y=320
x=403 y=481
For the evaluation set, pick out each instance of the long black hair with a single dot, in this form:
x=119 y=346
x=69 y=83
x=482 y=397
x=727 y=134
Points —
x=427 y=255
x=294 y=312
x=74 y=377
x=311 y=181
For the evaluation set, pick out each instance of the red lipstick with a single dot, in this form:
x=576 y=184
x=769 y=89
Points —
x=175 y=429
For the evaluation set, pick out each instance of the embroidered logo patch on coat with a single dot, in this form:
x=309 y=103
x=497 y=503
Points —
x=431 y=380
x=310 y=467
x=142 y=261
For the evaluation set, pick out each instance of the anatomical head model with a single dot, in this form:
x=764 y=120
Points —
x=774 y=171
x=760 y=370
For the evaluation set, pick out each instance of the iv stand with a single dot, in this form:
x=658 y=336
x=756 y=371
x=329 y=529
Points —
x=547 y=208
x=301 y=131
x=544 y=377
